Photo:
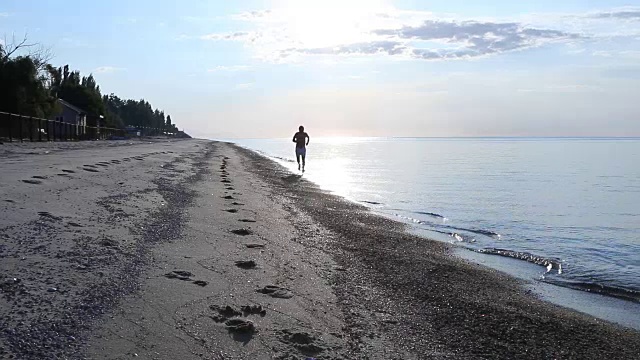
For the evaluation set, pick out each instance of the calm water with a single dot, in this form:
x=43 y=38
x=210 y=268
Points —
x=569 y=205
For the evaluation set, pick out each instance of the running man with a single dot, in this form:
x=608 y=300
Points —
x=301 y=139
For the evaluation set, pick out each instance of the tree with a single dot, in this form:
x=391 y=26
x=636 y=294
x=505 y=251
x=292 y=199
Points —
x=134 y=113
x=23 y=89
x=29 y=85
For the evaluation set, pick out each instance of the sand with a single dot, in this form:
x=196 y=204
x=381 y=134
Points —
x=192 y=249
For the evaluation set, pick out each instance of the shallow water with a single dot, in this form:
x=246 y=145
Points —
x=572 y=206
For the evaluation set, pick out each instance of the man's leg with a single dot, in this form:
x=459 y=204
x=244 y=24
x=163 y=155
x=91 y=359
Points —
x=298 y=158
x=303 y=156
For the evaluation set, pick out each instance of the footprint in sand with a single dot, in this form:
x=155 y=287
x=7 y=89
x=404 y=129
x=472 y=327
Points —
x=68 y=171
x=89 y=166
x=247 y=220
x=74 y=224
x=253 y=309
x=254 y=246
x=242 y=232
x=227 y=312
x=90 y=170
x=246 y=264
x=228 y=197
x=237 y=203
x=179 y=274
x=229 y=188
x=240 y=326
x=276 y=292
x=48 y=215
x=108 y=242
x=62 y=174
x=31 y=181
x=306 y=343
x=231 y=210
x=41 y=177
x=101 y=164
x=224 y=312
x=225 y=181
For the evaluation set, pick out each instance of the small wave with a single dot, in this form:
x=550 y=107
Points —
x=489 y=233
x=620 y=293
x=483 y=232
x=550 y=264
x=454 y=231
x=457 y=236
x=430 y=214
x=371 y=202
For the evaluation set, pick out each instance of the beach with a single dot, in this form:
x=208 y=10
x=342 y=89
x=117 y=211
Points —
x=192 y=249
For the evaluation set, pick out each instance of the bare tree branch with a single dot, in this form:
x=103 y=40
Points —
x=9 y=49
x=41 y=56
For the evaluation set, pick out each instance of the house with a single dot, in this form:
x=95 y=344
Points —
x=72 y=115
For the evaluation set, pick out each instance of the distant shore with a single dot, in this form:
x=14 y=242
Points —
x=198 y=249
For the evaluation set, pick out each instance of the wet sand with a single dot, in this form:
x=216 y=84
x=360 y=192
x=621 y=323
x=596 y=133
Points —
x=192 y=249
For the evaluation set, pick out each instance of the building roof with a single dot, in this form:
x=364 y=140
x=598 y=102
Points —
x=72 y=107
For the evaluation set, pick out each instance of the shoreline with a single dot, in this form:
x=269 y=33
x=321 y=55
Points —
x=156 y=255
x=503 y=284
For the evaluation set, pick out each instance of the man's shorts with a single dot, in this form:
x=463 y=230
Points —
x=301 y=151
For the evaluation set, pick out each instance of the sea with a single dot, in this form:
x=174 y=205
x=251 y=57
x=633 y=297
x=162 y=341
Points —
x=569 y=206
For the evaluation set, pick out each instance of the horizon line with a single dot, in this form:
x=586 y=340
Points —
x=447 y=137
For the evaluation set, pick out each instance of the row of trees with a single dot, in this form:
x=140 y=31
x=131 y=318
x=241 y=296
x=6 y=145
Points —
x=136 y=113
x=31 y=86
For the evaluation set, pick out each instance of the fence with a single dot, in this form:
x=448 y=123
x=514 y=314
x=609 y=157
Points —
x=20 y=128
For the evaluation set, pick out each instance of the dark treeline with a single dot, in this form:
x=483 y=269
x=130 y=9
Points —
x=136 y=113
x=30 y=86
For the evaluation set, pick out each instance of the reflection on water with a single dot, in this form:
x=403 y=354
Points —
x=569 y=202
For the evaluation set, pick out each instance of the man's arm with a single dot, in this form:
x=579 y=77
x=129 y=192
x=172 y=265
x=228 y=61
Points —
x=294 y=137
x=307 y=135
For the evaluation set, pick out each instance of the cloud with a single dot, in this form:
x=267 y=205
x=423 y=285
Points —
x=253 y=15
x=472 y=39
x=240 y=35
x=107 y=69
x=4 y=14
x=622 y=14
x=299 y=34
x=221 y=68
x=365 y=48
x=449 y=40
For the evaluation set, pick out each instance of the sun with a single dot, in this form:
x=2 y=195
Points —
x=326 y=23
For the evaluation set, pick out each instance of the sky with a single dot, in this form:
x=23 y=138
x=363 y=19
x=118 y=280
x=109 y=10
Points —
x=259 y=69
